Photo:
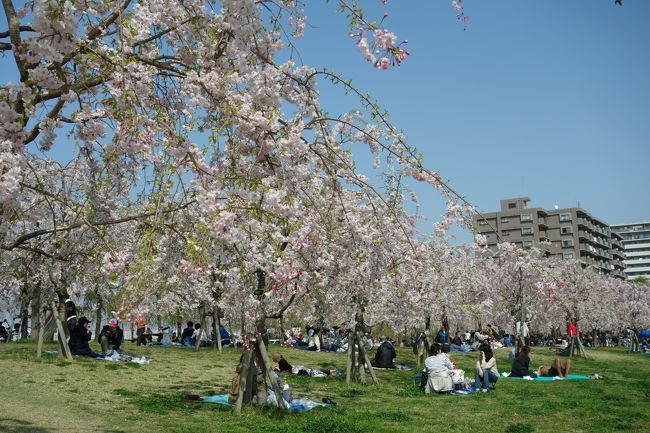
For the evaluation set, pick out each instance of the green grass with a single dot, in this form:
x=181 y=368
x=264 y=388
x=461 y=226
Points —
x=53 y=395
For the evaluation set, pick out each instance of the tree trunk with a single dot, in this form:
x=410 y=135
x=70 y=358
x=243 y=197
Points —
x=216 y=328
x=365 y=358
x=62 y=333
x=98 y=315
x=36 y=318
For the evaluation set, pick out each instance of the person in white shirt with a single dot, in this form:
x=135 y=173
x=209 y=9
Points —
x=486 y=369
x=439 y=368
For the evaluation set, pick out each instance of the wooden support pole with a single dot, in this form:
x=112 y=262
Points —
x=268 y=370
x=243 y=378
x=62 y=333
x=216 y=327
x=350 y=360
x=251 y=378
x=39 y=350
x=364 y=356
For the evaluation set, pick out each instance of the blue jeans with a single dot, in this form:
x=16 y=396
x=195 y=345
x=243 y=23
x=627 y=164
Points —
x=488 y=377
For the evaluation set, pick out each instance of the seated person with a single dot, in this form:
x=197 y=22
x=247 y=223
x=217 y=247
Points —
x=206 y=341
x=457 y=343
x=314 y=340
x=645 y=347
x=559 y=368
x=521 y=364
x=4 y=334
x=79 y=338
x=299 y=370
x=385 y=355
x=486 y=369
x=186 y=336
x=507 y=340
x=166 y=336
x=439 y=369
x=111 y=337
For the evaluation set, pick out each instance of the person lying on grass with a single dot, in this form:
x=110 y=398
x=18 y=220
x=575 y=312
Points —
x=559 y=369
x=300 y=370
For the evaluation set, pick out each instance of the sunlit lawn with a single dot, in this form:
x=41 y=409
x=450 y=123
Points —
x=52 y=395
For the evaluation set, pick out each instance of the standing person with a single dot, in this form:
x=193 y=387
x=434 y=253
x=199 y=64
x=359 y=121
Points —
x=111 y=337
x=140 y=327
x=79 y=338
x=571 y=330
x=486 y=369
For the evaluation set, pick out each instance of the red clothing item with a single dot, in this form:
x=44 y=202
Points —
x=571 y=330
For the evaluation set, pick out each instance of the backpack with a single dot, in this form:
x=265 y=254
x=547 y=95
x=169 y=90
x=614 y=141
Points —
x=424 y=378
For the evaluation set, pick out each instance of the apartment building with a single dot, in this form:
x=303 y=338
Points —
x=636 y=243
x=572 y=233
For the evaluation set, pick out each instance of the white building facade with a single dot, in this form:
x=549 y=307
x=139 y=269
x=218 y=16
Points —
x=636 y=244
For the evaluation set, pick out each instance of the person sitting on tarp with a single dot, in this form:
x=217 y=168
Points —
x=385 y=355
x=79 y=338
x=111 y=337
x=225 y=336
x=521 y=364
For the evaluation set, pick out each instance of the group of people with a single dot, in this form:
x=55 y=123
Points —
x=442 y=374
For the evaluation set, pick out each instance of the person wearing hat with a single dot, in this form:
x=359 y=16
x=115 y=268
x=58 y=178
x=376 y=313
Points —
x=111 y=337
x=79 y=338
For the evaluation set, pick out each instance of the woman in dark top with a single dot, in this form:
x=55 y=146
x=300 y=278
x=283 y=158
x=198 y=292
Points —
x=79 y=338
x=521 y=364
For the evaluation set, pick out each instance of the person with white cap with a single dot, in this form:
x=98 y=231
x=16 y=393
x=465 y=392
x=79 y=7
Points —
x=111 y=337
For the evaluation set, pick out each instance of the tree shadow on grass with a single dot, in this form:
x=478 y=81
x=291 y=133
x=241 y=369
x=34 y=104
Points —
x=9 y=425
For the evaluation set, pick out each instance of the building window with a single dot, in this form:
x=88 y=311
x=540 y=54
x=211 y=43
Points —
x=526 y=218
x=482 y=223
x=505 y=234
x=528 y=244
x=565 y=217
x=512 y=205
x=527 y=231
x=567 y=243
x=504 y=219
x=567 y=256
x=566 y=230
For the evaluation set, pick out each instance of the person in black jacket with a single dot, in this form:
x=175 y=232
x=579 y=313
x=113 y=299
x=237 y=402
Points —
x=521 y=364
x=79 y=338
x=111 y=336
x=186 y=336
x=385 y=355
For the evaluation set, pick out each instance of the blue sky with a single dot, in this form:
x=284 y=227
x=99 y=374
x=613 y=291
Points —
x=547 y=99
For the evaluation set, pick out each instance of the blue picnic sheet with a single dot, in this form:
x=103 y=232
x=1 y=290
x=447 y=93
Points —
x=297 y=404
x=547 y=378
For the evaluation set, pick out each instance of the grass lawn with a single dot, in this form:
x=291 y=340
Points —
x=52 y=395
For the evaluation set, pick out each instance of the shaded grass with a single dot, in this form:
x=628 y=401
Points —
x=153 y=398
